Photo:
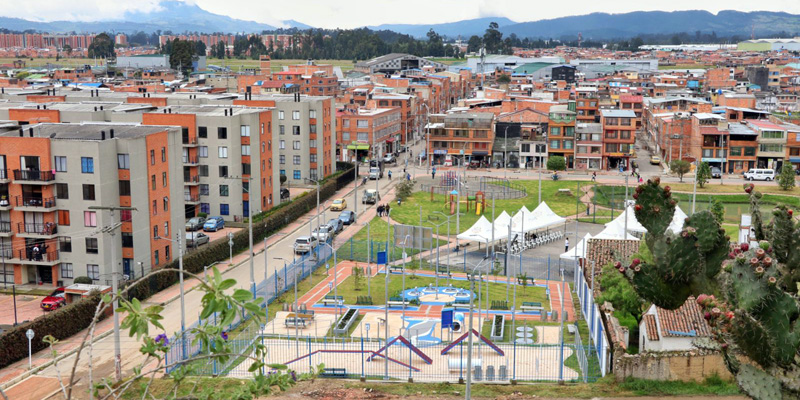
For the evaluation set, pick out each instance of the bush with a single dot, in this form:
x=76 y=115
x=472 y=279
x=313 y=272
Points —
x=83 y=279
x=556 y=163
x=61 y=324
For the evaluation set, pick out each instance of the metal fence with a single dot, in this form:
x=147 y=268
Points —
x=591 y=314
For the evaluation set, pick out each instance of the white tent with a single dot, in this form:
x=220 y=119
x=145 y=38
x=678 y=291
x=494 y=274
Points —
x=615 y=232
x=542 y=217
x=481 y=231
x=581 y=247
x=633 y=223
x=678 y=220
x=501 y=226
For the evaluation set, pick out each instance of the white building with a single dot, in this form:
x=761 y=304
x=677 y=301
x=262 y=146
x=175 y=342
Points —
x=672 y=330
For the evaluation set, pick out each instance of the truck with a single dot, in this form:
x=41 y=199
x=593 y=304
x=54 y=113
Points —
x=376 y=169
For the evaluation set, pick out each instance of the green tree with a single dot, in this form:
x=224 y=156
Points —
x=556 y=163
x=616 y=290
x=718 y=209
x=181 y=54
x=67 y=49
x=635 y=44
x=199 y=48
x=786 y=178
x=358 y=277
x=102 y=46
x=474 y=44
x=504 y=79
x=680 y=167
x=703 y=174
x=493 y=39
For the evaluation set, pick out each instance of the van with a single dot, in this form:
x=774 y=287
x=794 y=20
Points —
x=760 y=174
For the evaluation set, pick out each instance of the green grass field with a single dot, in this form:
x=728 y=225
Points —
x=497 y=291
x=358 y=248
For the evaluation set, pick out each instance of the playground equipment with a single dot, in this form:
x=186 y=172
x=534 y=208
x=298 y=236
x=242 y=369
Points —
x=476 y=201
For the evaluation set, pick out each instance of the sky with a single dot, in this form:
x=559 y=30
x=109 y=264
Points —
x=357 y=13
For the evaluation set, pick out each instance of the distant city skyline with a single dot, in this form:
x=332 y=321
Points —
x=358 y=13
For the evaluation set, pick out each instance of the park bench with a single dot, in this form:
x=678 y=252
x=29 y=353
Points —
x=307 y=315
x=397 y=301
x=334 y=373
x=331 y=299
x=296 y=322
x=531 y=306
x=442 y=270
x=565 y=192
x=461 y=303
x=396 y=268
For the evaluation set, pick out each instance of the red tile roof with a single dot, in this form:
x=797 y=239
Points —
x=651 y=327
x=686 y=319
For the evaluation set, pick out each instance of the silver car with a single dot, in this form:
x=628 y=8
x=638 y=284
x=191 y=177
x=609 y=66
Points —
x=195 y=239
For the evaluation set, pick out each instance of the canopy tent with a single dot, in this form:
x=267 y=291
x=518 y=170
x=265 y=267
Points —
x=481 y=231
x=678 y=219
x=501 y=226
x=581 y=247
x=615 y=232
x=542 y=217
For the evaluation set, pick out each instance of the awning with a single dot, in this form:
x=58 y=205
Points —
x=357 y=147
x=390 y=140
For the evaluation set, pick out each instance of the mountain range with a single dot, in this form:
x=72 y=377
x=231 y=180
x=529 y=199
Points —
x=179 y=16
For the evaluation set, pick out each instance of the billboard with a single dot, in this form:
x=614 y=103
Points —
x=420 y=238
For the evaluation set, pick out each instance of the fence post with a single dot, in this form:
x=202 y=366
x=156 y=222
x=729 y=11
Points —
x=461 y=363
x=514 y=367
x=363 y=377
x=308 y=337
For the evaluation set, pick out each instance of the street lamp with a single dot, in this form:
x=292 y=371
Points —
x=310 y=225
x=471 y=276
x=405 y=239
x=180 y=276
x=296 y=329
x=250 y=230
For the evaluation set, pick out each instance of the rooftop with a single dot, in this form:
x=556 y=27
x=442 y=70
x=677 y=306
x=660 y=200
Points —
x=87 y=131
x=618 y=113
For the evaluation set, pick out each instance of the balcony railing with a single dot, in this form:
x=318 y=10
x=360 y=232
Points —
x=3 y=174
x=33 y=175
x=191 y=179
x=41 y=256
x=6 y=253
x=191 y=198
x=30 y=201
x=190 y=160
x=5 y=226
x=190 y=141
x=45 y=229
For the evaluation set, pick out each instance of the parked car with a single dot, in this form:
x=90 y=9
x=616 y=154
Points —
x=347 y=217
x=371 y=196
x=285 y=194
x=214 y=224
x=195 y=224
x=55 y=300
x=322 y=233
x=338 y=205
x=389 y=159
x=759 y=174
x=195 y=239
x=716 y=172
x=655 y=160
x=304 y=244
x=336 y=225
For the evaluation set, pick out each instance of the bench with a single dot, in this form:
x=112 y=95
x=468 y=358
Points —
x=461 y=303
x=531 y=306
x=396 y=268
x=334 y=373
x=303 y=315
x=397 y=301
x=295 y=322
x=331 y=299
x=565 y=191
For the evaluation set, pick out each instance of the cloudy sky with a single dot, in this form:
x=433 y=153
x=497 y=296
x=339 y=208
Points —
x=356 y=13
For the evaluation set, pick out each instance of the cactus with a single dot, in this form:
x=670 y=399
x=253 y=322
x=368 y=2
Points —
x=758 y=312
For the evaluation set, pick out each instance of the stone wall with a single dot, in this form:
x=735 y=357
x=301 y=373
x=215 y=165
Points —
x=669 y=366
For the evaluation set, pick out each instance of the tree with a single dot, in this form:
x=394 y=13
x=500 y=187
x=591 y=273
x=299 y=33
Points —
x=556 y=163
x=703 y=174
x=493 y=39
x=636 y=43
x=718 y=209
x=786 y=177
x=616 y=290
x=680 y=167
x=199 y=48
x=102 y=46
x=67 y=49
x=474 y=44
x=504 y=79
x=181 y=54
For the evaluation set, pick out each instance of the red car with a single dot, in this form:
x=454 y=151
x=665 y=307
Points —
x=55 y=300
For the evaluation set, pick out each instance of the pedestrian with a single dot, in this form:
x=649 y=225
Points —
x=408 y=177
x=566 y=244
x=380 y=210
x=390 y=175
x=433 y=173
x=387 y=210
x=594 y=176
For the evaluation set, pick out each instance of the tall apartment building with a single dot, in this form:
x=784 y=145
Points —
x=364 y=132
x=461 y=137
x=52 y=174
x=561 y=132
x=619 y=136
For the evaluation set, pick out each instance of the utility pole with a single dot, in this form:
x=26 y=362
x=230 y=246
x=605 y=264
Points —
x=111 y=229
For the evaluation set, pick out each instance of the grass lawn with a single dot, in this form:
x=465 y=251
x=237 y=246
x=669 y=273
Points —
x=497 y=291
x=561 y=204
x=713 y=186
x=508 y=334
x=358 y=249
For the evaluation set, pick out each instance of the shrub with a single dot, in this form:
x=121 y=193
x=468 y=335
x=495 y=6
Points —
x=556 y=163
x=61 y=324
x=83 y=279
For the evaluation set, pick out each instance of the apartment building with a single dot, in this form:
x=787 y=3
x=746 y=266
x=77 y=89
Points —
x=459 y=137
x=589 y=146
x=561 y=132
x=709 y=141
x=772 y=142
x=52 y=174
x=587 y=104
x=635 y=103
x=619 y=136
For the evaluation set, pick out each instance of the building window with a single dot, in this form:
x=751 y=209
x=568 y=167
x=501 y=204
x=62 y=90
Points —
x=312 y=128
x=155 y=231
x=313 y=173
x=312 y=143
x=155 y=207
x=87 y=165
x=165 y=201
x=125 y=215
x=156 y=259
x=202 y=170
x=152 y=157
x=312 y=114
x=296 y=115
x=295 y=130
x=245 y=149
x=66 y=270
x=166 y=229
x=224 y=209
x=282 y=159
x=65 y=244
x=296 y=160
x=91 y=246
x=282 y=144
x=297 y=174
x=245 y=168
x=205 y=208
x=223 y=171
x=163 y=154
x=124 y=188
x=312 y=158
x=555 y=144
x=280 y=114
x=88 y=192
x=245 y=187
x=202 y=132
x=222 y=151
x=63 y=217
x=203 y=189
x=93 y=271
x=363 y=137
x=60 y=163
x=153 y=182
x=62 y=191
x=166 y=253
x=296 y=145
x=223 y=190
x=245 y=130
x=282 y=130
x=164 y=179
x=123 y=161
x=127 y=240
x=202 y=152
x=222 y=132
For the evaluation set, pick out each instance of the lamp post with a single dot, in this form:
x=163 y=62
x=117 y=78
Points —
x=405 y=239
x=250 y=231
x=468 y=392
x=427 y=137
x=180 y=276
x=310 y=225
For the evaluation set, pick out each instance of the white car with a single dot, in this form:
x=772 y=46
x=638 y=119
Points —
x=322 y=233
x=760 y=174
x=304 y=244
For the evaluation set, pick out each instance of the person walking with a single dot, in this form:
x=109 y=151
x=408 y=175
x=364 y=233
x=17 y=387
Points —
x=433 y=173
x=594 y=176
x=387 y=210
x=380 y=210
x=390 y=175
x=566 y=244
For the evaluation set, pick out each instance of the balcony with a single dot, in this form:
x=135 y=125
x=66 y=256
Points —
x=30 y=257
x=191 y=198
x=190 y=161
x=35 y=204
x=5 y=204
x=5 y=229
x=4 y=176
x=190 y=142
x=191 y=180
x=47 y=230
x=33 y=177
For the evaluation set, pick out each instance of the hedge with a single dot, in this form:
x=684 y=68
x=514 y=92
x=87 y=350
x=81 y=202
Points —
x=61 y=324
x=269 y=224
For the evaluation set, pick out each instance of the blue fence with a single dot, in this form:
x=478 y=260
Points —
x=591 y=314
